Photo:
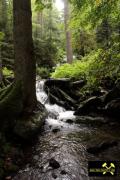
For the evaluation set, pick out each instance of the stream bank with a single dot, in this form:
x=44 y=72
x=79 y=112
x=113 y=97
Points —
x=65 y=146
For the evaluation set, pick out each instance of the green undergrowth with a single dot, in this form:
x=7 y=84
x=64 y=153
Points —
x=93 y=68
x=7 y=72
x=43 y=72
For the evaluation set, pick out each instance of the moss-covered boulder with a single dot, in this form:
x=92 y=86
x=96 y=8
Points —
x=90 y=105
x=27 y=126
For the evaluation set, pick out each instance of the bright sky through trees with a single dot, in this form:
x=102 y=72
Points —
x=59 y=4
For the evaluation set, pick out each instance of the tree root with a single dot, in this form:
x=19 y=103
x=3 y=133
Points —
x=11 y=104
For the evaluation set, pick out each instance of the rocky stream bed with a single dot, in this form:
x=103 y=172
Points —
x=67 y=142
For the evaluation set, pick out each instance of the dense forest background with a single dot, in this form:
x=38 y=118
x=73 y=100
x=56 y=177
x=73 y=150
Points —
x=93 y=28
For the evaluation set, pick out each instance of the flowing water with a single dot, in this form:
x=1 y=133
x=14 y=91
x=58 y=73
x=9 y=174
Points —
x=67 y=144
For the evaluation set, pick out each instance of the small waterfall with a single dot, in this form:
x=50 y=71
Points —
x=43 y=98
x=56 y=115
x=41 y=95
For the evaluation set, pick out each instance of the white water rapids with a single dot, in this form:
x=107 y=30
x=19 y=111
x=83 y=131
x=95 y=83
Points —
x=56 y=115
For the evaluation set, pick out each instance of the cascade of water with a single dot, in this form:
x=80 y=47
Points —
x=56 y=115
x=41 y=95
x=43 y=98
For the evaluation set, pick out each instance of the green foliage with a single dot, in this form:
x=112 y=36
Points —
x=48 y=33
x=7 y=53
x=43 y=72
x=1 y=36
x=99 y=23
x=6 y=34
x=45 y=53
x=93 y=68
x=41 y=4
x=7 y=72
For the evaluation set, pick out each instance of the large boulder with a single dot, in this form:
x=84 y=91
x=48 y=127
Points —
x=55 y=100
x=90 y=105
x=78 y=84
x=66 y=85
x=60 y=83
x=60 y=97
x=114 y=93
x=54 y=164
x=113 y=108
x=27 y=126
x=101 y=147
x=107 y=83
x=65 y=97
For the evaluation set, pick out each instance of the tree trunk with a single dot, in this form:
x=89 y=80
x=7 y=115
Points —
x=4 y=15
x=41 y=24
x=0 y=66
x=3 y=23
x=68 y=33
x=25 y=65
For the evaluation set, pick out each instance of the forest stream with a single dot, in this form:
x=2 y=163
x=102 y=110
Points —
x=61 y=150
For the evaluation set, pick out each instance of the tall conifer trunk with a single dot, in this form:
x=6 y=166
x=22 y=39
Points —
x=68 y=33
x=0 y=66
x=25 y=65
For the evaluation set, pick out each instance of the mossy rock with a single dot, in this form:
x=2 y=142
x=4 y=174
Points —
x=28 y=126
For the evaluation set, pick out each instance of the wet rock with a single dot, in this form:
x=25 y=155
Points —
x=101 y=147
x=63 y=90
x=29 y=125
x=60 y=97
x=117 y=83
x=55 y=100
x=50 y=126
x=60 y=83
x=113 y=108
x=36 y=157
x=114 y=93
x=54 y=175
x=55 y=130
x=107 y=83
x=70 y=121
x=78 y=84
x=89 y=105
x=99 y=92
x=41 y=167
x=54 y=164
x=65 y=97
x=63 y=172
x=91 y=120
x=53 y=115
